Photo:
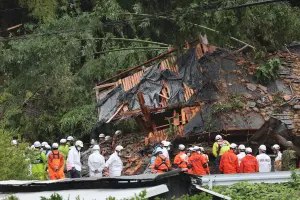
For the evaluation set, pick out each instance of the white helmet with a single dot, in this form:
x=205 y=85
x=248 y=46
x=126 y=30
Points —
x=262 y=147
x=158 y=150
x=96 y=147
x=218 y=137
x=201 y=149
x=92 y=142
x=118 y=132
x=48 y=147
x=192 y=149
x=276 y=147
x=101 y=135
x=166 y=143
x=79 y=143
x=196 y=148
x=37 y=144
x=44 y=144
x=119 y=148
x=70 y=138
x=107 y=138
x=63 y=141
x=54 y=146
x=242 y=147
x=14 y=142
x=248 y=150
x=233 y=146
x=181 y=147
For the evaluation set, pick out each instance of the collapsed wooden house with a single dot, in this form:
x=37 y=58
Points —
x=203 y=90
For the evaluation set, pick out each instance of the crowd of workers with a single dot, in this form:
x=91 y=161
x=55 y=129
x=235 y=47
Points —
x=66 y=160
x=229 y=158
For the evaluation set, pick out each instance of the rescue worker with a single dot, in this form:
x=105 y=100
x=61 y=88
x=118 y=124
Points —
x=70 y=142
x=73 y=160
x=85 y=157
x=38 y=163
x=249 y=163
x=278 y=159
x=198 y=163
x=114 y=164
x=229 y=163
x=189 y=154
x=165 y=148
x=63 y=148
x=204 y=154
x=43 y=146
x=106 y=147
x=101 y=139
x=289 y=157
x=242 y=153
x=48 y=150
x=56 y=163
x=96 y=162
x=161 y=163
x=220 y=147
x=180 y=160
x=264 y=161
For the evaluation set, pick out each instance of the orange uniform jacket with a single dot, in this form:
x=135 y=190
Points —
x=161 y=164
x=249 y=164
x=197 y=162
x=56 y=165
x=229 y=163
x=181 y=163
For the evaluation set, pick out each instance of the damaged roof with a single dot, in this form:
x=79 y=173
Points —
x=205 y=78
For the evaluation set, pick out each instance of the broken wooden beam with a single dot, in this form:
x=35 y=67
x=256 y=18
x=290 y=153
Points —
x=144 y=109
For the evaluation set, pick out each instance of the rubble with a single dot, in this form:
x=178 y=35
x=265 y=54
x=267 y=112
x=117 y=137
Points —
x=216 y=95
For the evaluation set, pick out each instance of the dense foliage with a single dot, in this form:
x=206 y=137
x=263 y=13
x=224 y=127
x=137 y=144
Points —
x=13 y=159
x=66 y=46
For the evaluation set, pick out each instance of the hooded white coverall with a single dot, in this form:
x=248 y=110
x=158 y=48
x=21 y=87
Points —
x=264 y=162
x=114 y=164
x=96 y=162
x=73 y=159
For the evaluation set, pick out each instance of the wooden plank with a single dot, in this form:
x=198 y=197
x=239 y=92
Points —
x=13 y=27
x=113 y=116
x=188 y=113
x=175 y=119
x=105 y=85
x=145 y=111
x=183 y=117
x=123 y=83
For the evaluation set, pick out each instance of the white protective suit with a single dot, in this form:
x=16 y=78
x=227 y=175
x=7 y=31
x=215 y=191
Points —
x=96 y=162
x=264 y=162
x=278 y=159
x=114 y=164
x=73 y=159
x=240 y=156
x=165 y=152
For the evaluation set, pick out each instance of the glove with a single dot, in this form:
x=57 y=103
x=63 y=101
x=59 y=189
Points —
x=56 y=169
x=96 y=171
x=73 y=169
x=156 y=167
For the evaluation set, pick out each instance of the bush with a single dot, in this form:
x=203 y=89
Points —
x=13 y=161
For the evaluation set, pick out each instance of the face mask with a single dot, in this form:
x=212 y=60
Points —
x=78 y=148
x=168 y=148
x=120 y=153
x=188 y=154
x=199 y=152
